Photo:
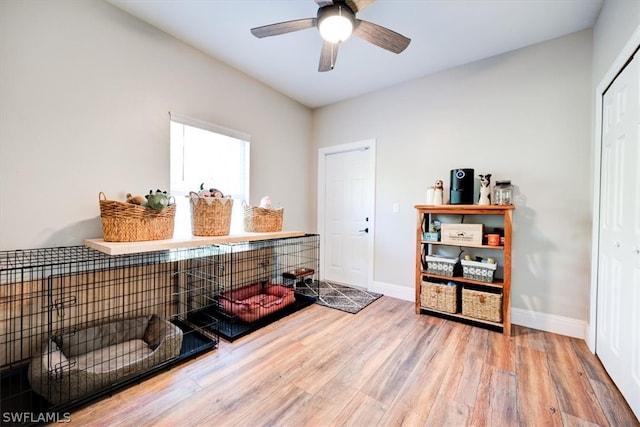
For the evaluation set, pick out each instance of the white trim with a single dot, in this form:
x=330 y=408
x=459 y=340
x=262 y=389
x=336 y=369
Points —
x=185 y=120
x=616 y=66
x=395 y=291
x=549 y=322
x=370 y=145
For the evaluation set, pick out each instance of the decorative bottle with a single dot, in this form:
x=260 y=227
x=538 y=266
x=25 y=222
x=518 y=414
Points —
x=503 y=193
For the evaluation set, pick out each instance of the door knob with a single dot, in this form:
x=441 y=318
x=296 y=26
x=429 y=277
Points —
x=366 y=230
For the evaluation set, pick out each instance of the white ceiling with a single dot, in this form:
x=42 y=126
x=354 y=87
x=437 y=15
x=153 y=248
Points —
x=444 y=33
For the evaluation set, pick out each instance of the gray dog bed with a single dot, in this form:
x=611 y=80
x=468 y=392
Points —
x=76 y=364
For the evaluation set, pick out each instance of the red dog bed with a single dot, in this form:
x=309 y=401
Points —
x=256 y=301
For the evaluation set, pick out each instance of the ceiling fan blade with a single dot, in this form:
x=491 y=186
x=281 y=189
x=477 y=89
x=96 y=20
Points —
x=358 y=5
x=283 y=27
x=323 y=3
x=381 y=36
x=328 y=56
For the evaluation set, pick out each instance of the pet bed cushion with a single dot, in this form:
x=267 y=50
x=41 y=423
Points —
x=256 y=301
x=116 y=356
x=76 y=364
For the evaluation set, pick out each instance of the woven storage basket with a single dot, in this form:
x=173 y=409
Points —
x=261 y=220
x=441 y=266
x=481 y=271
x=439 y=297
x=482 y=305
x=128 y=222
x=210 y=216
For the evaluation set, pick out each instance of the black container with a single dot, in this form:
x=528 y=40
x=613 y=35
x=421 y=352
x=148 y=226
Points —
x=461 y=189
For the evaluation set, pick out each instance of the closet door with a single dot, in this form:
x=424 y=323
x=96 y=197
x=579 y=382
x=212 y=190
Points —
x=618 y=299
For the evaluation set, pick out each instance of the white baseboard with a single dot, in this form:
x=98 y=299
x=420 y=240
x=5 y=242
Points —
x=531 y=319
x=395 y=291
x=550 y=323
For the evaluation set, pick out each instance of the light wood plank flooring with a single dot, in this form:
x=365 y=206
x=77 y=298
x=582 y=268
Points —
x=385 y=366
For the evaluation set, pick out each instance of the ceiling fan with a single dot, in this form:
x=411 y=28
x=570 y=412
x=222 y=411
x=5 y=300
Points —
x=336 y=21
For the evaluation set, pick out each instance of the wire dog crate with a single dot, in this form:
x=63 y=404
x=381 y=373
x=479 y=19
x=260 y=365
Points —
x=256 y=285
x=76 y=323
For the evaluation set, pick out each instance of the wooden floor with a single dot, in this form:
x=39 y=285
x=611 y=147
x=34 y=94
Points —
x=384 y=366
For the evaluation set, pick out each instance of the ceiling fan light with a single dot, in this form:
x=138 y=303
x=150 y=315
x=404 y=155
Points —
x=336 y=27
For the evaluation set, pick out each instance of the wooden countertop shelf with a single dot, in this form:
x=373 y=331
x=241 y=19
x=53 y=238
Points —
x=125 y=248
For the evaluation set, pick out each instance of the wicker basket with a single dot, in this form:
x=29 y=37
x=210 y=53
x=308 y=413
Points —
x=441 y=266
x=439 y=297
x=128 y=222
x=210 y=216
x=482 y=305
x=261 y=220
x=481 y=271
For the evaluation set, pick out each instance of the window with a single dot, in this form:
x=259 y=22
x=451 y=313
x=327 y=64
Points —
x=202 y=153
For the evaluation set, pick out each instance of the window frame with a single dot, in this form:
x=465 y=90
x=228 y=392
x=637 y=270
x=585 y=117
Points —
x=183 y=218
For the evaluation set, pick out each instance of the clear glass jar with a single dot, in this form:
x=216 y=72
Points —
x=503 y=193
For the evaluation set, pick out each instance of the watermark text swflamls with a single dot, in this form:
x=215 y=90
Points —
x=35 y=417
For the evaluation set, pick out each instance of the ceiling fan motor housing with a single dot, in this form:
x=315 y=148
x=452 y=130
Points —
x=330 y=12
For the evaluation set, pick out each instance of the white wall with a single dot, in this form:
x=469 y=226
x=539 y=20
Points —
x=617 y=21
x=85 y=91
x=524 y=116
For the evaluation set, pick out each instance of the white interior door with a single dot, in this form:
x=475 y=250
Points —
x=347 y=215
x=618 y=297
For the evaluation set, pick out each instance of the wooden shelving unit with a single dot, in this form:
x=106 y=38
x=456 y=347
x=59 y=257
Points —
x=500 y=285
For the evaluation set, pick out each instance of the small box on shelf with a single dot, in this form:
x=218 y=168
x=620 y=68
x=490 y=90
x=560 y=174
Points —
x=431 y=237
x=462 y=234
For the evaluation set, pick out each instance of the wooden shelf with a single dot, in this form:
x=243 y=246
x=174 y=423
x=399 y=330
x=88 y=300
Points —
x=123 y=248
x=461 y=316
x=457 y=245
x=498 y=284
x=466 y=209
x=503 y=286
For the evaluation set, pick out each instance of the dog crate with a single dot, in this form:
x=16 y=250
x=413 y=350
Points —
x=257 y=282
x=76 y=323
